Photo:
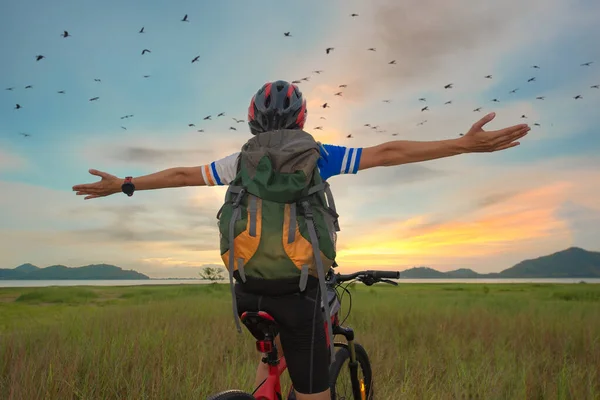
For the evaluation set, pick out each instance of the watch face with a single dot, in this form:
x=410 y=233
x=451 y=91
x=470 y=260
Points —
x=127 y=188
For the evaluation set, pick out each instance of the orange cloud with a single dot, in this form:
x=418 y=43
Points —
x=525 y=220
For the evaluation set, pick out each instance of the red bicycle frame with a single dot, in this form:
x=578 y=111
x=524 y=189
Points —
x=262 y=324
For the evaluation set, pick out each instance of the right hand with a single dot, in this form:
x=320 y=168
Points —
x=109 y=184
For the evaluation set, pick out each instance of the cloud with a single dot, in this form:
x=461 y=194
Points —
x=147 y=155
x=10 y=161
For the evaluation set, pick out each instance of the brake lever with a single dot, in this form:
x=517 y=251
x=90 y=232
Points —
x=389 y=281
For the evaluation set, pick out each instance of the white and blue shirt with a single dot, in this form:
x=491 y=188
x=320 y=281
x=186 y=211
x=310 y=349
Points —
x=335 y=160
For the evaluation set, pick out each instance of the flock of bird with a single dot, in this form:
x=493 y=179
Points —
x=328 y=50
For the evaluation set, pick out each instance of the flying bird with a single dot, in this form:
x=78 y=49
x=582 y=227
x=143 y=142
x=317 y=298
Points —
x=296 y=81
x=146 y=76
x=195 y=59
x=287 y=34
x=535 y=66
x=448 y=102
x=426 y=108
x=325 y=106
x=514 y=90
x=28 y=87
x=9 y=88
x=338 y=94
x=386 y=101
x=24 y=134
x=343 y=86
x=123 y=128
x=200 y=130
x=392 y=62
x=422 y=123
x=367 y=124
x=306 y=79
x=185 y=18
x=531 y=79
x=422 y=99
x=207 y=117
x=540 y=98
x=394 y=134
x=496 y=100
x=536 y=124
x=448 y=86
x=61 y=92
x=231 y=128
x=523 y=116
x=318 y=71
x=39 y=57
x=322 y=118
x=65 y=34
x=372 y=49
x=146 y=51
x=578 y=97
x=319 y=128
x=328 y=50
x=190 y=125
x=18 y=106
x=349 y=136
x=97 y=80
x=488 y=76
x=220 y=114
x=94 y=98
x=354 y=15
x=595 y=87
x=141 y=30
x=587 y=64
x=478 y=109
x=237 y=120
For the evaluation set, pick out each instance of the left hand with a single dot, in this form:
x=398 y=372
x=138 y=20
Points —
x=479 y=141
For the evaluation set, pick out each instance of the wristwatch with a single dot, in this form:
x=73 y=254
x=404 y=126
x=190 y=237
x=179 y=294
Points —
x=128 y=187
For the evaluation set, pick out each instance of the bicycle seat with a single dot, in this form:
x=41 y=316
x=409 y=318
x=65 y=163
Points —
x=260 y=324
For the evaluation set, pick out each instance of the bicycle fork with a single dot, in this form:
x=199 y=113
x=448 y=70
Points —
x=358 y=386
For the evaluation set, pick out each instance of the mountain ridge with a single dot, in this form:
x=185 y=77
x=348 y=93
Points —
x=573 y=262
x=62 y=272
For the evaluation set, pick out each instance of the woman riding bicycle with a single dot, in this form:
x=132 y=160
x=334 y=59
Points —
x=280 y=105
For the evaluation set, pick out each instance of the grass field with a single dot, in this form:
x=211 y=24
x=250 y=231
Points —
x=426 y=341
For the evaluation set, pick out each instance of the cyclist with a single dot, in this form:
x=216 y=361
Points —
x=280 y=105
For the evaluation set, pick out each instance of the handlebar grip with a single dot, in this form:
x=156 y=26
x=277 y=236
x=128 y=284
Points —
x=385 y=274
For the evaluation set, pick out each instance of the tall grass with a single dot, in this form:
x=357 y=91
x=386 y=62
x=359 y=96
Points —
x=425 y=342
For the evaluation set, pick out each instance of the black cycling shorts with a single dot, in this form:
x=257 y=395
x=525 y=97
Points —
x=301 y=329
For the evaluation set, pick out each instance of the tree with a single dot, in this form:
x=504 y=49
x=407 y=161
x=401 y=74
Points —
x=211 y=274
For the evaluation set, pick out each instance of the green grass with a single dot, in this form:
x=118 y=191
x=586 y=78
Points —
x=425 y=341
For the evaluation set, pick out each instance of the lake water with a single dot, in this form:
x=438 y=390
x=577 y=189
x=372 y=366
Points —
x=139 y=282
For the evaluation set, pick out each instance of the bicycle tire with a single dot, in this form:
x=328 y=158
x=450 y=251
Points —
x=343 y=355
x=232 y=395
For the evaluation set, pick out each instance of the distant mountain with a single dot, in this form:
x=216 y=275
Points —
x=26 y=268
x=573 y=262
x=61 y=272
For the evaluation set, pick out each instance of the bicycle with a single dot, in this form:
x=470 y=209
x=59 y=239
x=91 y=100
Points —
x=264 y=328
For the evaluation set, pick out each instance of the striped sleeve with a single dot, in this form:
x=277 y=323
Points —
x=338 y=160
x=220 y=172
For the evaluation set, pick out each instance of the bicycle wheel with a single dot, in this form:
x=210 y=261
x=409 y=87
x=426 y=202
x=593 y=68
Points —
x=232 y=395
x=340 y=381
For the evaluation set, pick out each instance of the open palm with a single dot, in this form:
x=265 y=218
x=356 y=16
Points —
x=477 y=140
x=109 y=184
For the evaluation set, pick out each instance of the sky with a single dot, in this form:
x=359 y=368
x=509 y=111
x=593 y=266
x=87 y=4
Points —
x=483 y=211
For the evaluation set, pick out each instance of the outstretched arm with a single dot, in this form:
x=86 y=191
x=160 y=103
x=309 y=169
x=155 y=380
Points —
x=168 y=178
x=475 y=141
x=219 y=172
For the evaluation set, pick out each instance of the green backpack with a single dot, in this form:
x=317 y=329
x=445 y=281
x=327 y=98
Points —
x=279 y=218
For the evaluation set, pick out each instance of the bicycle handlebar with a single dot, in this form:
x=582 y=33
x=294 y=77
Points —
x=368 y=277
